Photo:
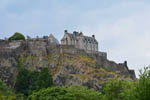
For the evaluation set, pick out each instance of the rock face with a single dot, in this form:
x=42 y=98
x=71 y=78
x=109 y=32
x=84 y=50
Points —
x=68 y=66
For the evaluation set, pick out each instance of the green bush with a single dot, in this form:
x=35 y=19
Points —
x=29 y=81
x=66 y=93
x=112 y=90
x=83 y=93
x=119 y=90
x=142 y=91
x=54 y=93
x=5 y=93
x=23 y=81
x=17 y=36
x=128 y=90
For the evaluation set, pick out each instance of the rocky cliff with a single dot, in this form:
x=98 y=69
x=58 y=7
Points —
x=68 y=66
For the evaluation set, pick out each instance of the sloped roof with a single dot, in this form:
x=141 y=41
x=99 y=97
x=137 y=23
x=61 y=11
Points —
x=86 y=38
x=53 y=39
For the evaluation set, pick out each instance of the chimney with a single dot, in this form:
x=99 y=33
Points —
x=125 y=63
x=65 y=31
x=93 y=36
x=81 y=34
x=75 y=33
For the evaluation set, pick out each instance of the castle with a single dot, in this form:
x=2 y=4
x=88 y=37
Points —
x=79 y=41
x=89 y=44
x=36 y=53
x=74 y=42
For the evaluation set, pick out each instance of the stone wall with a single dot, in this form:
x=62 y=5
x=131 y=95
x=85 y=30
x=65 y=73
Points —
x=8 y=70
x=9 y=48
x=36 y=47
x=60 y=49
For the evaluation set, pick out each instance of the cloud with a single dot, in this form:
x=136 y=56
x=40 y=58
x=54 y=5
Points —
x=121 y=26
x=125 y=38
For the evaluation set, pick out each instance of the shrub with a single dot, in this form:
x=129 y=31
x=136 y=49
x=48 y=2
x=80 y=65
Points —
x=142 y=91
x=29 y=81
x=66 y=93
x=128 y=90
x=17 y=36
x=5 y=93
x=112 y=90
x=83 y=93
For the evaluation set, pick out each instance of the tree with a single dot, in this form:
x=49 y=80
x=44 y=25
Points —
x=112 y=90
x=44 y=79
x=29 y=81
x=53 y=93
x=17 y=36
x=66 y=93
x=5 y=93
x=22 y=82
x=142 y=91
x=83 y=93
x=128 y=90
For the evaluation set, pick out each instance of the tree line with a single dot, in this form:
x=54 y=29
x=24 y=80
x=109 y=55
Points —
x=38 y=85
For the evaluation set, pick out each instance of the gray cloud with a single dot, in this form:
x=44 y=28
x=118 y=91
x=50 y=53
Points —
x=122 y=27
x=125 y=38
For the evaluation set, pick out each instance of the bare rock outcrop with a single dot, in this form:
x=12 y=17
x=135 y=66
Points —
x=68 y=66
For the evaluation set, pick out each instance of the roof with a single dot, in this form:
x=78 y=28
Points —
x=53 y=39
x=86 y=38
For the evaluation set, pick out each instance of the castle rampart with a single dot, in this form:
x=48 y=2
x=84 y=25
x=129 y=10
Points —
x=39 y=46
x=34 y=53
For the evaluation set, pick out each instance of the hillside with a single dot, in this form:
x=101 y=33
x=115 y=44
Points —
x=67 y=65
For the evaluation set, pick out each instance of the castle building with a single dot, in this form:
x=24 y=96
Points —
x=89 y=44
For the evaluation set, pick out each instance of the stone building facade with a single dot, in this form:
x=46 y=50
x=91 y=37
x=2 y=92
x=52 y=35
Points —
x=89 y=44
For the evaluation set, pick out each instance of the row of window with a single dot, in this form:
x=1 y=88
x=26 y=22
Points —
x=85 y=41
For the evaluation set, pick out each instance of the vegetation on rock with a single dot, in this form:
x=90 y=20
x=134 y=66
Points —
x=29 y=81
x=17 y=36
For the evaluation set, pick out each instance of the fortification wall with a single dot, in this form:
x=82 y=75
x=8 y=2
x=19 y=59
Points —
x=98 y=53
x=36 y=47
x=60 y=49
x=9 y=48
x=4 y=45
x=102 y=54
x=70 y=49
x=40 y=47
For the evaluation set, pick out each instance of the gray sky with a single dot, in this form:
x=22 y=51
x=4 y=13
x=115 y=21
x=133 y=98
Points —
x=122 y=27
